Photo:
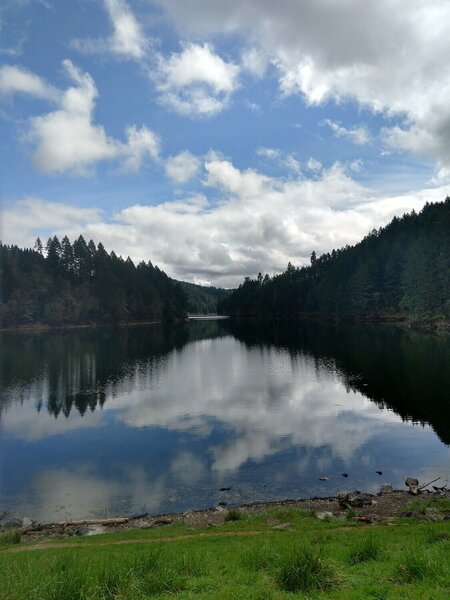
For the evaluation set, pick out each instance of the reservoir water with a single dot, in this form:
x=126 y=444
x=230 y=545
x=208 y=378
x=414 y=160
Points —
x=122 y=421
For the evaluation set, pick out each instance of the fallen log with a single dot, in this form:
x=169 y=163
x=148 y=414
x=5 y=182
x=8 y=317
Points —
x=111 y=521
x=429 y=483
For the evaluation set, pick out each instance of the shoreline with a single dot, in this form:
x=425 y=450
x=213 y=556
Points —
x=44 y=328
x=384 y=507
x=403 y=322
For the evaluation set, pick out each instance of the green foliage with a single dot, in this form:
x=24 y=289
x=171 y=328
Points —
x=80 y=283
x=402 y=268
x=369 y=548
x=7 y=538
x=414 y=565
x=232 y=515
x=350 y=513
x=202 y=300
x=303 y=569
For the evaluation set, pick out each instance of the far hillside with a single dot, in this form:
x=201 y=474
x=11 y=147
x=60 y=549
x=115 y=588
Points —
x=401 y=271
x=202 y=300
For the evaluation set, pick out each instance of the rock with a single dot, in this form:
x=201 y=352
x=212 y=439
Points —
x=162 y=521
x=413 y=485
x=324 y=515
x=223 y=503
x=343 y=499
x=431 y=514
x=225 y=489
x=386 y=488
x=344 y=474
x=361 y=500
x=374 y=518
x=379 y=472
x=27 y=522
x=354 y=500
x=411 y=481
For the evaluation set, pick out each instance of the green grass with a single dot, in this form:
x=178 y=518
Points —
x=232 y=515
x=368 y=548
x=242 y=560
x=8 y=538
x=441 y=505
x=303 y=568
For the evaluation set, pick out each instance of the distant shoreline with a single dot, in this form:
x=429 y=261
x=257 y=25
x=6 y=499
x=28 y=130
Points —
x=44 y=328
x=403 y=321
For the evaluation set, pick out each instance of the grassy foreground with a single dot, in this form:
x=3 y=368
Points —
x=250 y=557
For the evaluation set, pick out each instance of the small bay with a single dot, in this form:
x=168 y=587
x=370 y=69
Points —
x=122 y=421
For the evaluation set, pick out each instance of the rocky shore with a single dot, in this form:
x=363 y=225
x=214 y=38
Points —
x=384 y=507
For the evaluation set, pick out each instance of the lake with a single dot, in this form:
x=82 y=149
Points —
x=122 y=421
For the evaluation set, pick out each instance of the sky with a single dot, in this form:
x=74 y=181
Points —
x=219 y=140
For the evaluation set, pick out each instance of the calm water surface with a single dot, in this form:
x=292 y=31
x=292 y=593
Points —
x=150 y=419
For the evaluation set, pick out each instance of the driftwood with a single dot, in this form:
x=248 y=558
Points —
x=429 y=483
x=413 y=485
x=112 y=521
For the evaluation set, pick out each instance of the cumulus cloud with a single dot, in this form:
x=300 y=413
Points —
x=389 y=56
x=21 y=221
x=128 y=40
x=196 y=81
x=17 y=80
x=182 y=167
x=68 y=139
x=357 y=135
x=255 y=223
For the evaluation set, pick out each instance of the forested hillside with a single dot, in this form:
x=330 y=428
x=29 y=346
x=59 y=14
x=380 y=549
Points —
x=203 y=300
x=80 y=283
x=403 y=268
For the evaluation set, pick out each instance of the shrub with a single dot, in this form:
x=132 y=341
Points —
x=367 y=549
x=233 y=515
x=414 y=566
x=303 y=569
x=10 y=537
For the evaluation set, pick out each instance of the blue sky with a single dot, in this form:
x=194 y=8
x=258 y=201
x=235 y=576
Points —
x=220 y=140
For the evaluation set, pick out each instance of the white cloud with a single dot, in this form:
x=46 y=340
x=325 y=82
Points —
x=255 y=223
x=395 y=60
x=271 y=153
x=196 y=81
x=141 y=143
x=357 y=135
x=17 y=80
x=128 y=39
x=182 y=167
x=255 y=61
x=21 y=221
x=67 y=140
x=313 y=164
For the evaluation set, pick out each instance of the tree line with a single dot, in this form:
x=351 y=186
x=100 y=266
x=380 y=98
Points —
x=402 y=269
x=201 y=299
x=80 y=283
